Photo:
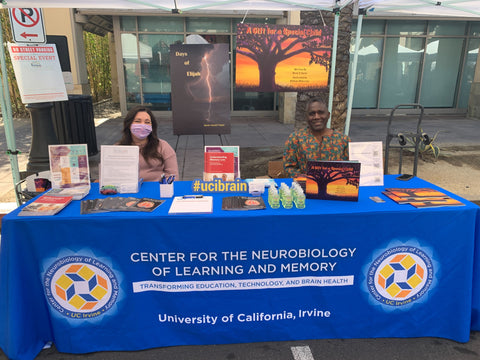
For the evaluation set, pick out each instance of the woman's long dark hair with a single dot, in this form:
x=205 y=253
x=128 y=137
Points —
x=150 y=151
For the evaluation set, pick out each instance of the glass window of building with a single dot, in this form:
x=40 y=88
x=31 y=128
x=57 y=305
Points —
x=407 y=27
x=441 y=70
x=208 y=25
x=468 y=72
x=401 y=71
x=474 y=29
x=367 y=78
x=370 y=27
x=131 y=67
x=146 y=57
x=424 y=61
x=160 y=24
x=127 y=23
x=155 y=70
x=439 y=28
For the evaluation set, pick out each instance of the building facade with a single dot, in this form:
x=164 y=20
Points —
x=400 y=61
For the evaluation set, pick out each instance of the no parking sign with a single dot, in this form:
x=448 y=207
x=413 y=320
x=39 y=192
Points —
x=27 y=25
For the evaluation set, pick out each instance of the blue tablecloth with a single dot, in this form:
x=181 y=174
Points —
x=128 y=281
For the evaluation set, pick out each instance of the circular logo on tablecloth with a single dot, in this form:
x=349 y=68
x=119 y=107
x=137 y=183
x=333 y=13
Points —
x=400 y=276
x=80 y=287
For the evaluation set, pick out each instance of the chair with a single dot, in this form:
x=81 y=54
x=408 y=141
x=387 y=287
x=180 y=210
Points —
x=28 y=188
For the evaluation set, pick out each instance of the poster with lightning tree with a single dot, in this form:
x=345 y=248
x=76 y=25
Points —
x=200 y=77
x=282 y=57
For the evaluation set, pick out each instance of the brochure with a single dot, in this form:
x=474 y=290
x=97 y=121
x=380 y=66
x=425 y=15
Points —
x=228 y=149
x=243 y=203
x=69 y=170
x=219 y=165
x=370 y=155
x=119 y=204
x=420 y=197
x=46 y=205
x=119 y=167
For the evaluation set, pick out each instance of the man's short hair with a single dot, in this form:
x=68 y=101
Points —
x=313 y=100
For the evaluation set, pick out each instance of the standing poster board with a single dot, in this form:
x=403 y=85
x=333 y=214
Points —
x=38 y=73
x=69 y=170
x=282 y=57
x=119 y=167
x=370 y=155
x=200 y=76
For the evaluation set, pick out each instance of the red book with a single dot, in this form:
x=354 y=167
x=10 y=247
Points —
x=219 y=165
x=45 y=205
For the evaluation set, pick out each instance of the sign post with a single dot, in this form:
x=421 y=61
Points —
x=27 y=25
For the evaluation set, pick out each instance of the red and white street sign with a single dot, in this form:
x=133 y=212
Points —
x=27 y=25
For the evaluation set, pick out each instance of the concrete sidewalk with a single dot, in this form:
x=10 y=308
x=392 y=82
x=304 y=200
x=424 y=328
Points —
x=456 y=170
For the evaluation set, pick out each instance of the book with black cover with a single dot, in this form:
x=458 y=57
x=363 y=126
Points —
x=243 y=203
x=332 y=180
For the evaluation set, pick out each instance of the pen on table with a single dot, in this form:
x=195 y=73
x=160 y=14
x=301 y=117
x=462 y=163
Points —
x=192 y=196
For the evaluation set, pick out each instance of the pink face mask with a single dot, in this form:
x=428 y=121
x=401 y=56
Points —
x=141 y=131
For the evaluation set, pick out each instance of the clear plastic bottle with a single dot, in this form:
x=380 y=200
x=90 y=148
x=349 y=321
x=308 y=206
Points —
x=298 y=195
x=286 y=198
x=273 y=198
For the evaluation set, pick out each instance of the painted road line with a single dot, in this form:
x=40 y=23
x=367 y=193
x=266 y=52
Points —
x=302 y=353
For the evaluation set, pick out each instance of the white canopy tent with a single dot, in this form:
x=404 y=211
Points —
x=422 y=8
x=372 y=8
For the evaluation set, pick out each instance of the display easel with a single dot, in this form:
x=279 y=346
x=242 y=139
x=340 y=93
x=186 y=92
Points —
x=204 y=142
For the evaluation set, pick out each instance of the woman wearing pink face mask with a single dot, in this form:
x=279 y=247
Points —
x=157 y=157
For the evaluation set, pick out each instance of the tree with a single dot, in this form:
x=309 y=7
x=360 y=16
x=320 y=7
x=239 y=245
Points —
x=98 y=65
x=340 y=98
x=268 y=45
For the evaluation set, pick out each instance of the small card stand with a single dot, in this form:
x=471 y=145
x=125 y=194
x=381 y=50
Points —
x=166 y=190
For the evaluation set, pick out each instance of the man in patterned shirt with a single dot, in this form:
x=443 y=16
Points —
x=314 y=142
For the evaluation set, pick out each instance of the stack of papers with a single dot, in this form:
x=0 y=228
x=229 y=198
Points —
x=191 y=204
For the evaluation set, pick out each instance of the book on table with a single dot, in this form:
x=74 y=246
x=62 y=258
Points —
x=227 y=149
x=420 y=197
x=218 y=165
x=243 y=203
x=46 y=205
x=331 y=180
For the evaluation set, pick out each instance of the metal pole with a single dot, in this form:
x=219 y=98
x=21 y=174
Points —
x=354 y=75
x=333 y=65
x=7 y=117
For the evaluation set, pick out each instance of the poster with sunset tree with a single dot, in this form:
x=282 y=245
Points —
x=282 y=57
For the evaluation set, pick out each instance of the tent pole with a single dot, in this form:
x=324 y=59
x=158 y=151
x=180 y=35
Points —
x=333 y=65
x=353 y=75
x=6 y=107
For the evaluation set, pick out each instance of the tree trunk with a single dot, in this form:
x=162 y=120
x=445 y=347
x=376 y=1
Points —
x=339 y=106
x=267 y=76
